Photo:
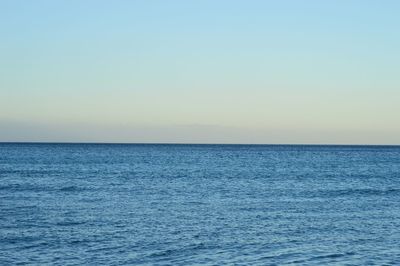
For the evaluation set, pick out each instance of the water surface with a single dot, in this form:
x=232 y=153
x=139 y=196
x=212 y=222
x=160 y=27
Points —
x=114 y=204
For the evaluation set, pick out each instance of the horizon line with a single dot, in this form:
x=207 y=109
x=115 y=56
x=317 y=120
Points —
x=192 y=143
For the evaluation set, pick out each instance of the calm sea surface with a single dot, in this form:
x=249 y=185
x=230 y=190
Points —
x=74 y=204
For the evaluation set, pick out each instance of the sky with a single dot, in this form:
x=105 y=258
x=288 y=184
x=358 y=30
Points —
x=201 y=71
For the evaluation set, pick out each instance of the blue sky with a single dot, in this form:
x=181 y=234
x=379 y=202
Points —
x=200 y=71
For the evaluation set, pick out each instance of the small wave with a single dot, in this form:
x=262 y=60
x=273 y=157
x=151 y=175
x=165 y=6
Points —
x=69 y=223
x=7 y=187
x=361 y=192
x=24 y=188
x=21 y=239
x=332 y=256
x=70 y=189
x=324 y=257
x=169 y=252
x=37 y=188
x=33 y=246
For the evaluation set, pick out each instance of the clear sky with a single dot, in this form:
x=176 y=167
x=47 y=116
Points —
x=201 y=71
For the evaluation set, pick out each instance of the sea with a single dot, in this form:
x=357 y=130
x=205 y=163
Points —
x=167 y=204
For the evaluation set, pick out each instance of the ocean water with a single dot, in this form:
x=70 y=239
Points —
x=98 y=204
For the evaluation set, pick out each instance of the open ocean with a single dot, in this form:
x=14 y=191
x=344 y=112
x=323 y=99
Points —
x=153 y=204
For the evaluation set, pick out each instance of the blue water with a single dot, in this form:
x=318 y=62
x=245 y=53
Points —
x=74 y=204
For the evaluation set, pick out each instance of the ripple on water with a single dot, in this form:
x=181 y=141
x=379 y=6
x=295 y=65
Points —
x=195 y=205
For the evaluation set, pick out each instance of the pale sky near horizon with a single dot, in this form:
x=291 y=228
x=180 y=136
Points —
x=201 y=71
